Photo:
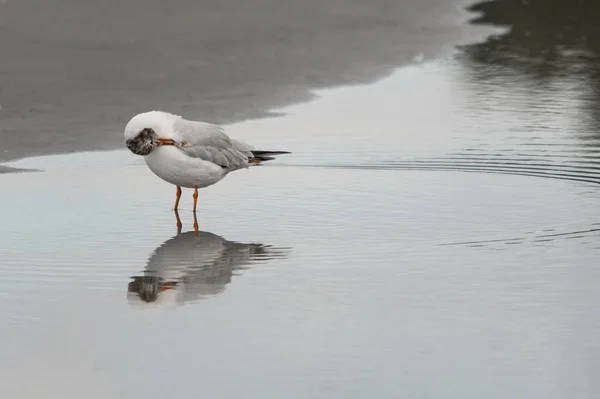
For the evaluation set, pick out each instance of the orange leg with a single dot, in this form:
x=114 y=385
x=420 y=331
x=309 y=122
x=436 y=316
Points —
x=195 y=201
x=177 y=198
x=179 y=225
x=195 y=197
x=195 y=224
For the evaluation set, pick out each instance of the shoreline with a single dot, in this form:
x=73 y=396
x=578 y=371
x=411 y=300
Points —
x=99 y=126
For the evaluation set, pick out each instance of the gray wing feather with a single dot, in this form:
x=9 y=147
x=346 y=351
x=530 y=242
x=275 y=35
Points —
x=242 y=147
x=210 y=143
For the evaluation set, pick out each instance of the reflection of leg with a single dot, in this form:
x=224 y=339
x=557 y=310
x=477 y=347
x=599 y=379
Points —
x=195 y=202
x=195 y=224
x=177 y=198
x=179 y=225
x=195 y=197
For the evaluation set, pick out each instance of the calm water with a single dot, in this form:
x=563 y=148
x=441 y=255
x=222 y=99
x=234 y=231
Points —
x=434 y=235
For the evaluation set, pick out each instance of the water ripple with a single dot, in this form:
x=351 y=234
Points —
x=584 y=169
x=532 y=237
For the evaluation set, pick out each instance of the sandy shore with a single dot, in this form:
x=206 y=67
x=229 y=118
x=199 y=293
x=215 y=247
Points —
x=72 y=74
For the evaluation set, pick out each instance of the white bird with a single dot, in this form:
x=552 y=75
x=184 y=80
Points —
x=186 y=153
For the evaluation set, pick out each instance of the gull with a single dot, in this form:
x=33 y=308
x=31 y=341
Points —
x=188 y=153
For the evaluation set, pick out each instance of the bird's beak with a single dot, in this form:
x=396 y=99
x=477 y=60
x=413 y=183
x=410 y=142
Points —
x=164 y=141
x=167 y=286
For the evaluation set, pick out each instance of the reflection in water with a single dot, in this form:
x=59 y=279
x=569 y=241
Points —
x=524 y=102
x=548 y=46
x=178 y=219
x=544 y=37
x=531 y=93
x=194 y=265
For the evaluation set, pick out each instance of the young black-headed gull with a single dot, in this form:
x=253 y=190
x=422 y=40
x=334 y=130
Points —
x=188 y=153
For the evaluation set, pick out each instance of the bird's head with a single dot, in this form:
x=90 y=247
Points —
x=147 y=131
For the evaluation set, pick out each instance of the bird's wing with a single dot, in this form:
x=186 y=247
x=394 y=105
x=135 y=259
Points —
x=210 y=143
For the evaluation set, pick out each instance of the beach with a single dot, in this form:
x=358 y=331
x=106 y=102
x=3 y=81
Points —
x=433 y=232
x=74 y=73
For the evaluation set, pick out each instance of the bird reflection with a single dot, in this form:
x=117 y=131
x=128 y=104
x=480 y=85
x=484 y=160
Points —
x=193 y=266
x=180 y=225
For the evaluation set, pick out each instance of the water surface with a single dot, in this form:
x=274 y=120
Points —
x=432 y=235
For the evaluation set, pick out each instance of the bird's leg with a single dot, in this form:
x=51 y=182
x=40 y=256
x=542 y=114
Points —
x=195 y=197
x=177 y=198
x=179 y=225
x=195 y=201
x=195 y=224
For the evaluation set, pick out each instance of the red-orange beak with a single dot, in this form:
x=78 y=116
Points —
x=164 y=141
x=167 y=286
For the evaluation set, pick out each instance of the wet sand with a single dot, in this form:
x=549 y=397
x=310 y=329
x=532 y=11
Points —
x=73 y=73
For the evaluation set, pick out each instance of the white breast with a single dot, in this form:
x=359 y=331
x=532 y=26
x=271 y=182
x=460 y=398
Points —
x=175 y=167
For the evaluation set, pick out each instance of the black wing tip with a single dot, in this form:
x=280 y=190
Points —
x=260 y=153
x=259 y=156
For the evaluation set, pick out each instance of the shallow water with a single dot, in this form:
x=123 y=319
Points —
x=394 y=263
x=432 y=235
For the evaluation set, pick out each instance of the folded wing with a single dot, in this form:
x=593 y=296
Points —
x=210 y=143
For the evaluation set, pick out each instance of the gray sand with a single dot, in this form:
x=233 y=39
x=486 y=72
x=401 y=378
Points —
x=72 y=73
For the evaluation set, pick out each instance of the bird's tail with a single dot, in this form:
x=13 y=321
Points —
x=262 y=156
